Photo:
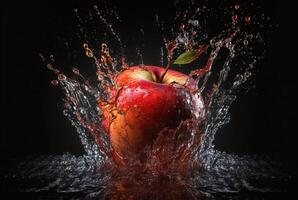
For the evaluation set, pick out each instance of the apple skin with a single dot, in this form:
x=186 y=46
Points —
x=142 y=107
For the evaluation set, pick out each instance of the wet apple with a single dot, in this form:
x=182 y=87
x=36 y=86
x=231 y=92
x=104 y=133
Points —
x=147 y=102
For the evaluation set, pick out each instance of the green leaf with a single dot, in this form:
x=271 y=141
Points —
x=190 y=56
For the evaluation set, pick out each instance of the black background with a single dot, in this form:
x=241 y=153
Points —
x=263 y=121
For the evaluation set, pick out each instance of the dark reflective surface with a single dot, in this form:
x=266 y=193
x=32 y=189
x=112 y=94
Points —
x=75 y=177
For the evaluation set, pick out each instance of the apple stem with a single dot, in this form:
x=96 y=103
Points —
x=170 y=61
x=171 y=46
x=164 y=73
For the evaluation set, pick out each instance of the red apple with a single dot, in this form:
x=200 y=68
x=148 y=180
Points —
x=144 y=106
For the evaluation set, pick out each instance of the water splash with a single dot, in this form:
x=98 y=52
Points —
x=183 y=162
x=176 y=155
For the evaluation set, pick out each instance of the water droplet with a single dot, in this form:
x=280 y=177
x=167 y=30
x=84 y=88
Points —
x=52 y=58
x=54 y=82
x=193 y=22
x=171 y=45
x=61 y=77
x=182 y=26
x=49 y=66
x=42 y=57
x=89 y=53
x=104 y=45
x=247 y=74
x=65 y=113
x=85 y=45
x=76 y=71
x=67 y=105
x=56 y=71
x=82 y=111
x=234 y=19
